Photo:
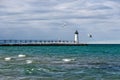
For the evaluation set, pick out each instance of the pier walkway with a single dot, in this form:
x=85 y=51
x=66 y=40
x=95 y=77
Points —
x=37 y=42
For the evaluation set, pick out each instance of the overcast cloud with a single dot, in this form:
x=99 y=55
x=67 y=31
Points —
x=58 y=19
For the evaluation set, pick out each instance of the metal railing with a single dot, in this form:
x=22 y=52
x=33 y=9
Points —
x=36 y=42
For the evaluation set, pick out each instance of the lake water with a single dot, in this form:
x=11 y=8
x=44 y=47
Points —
x=92 y=62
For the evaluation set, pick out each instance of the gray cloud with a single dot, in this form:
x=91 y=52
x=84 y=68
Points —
x=32 y=17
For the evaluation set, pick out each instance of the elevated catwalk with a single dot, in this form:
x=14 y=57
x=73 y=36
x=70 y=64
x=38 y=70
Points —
x=39 y=43
x=43 y=42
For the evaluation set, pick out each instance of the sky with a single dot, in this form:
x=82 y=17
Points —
x=59 y=19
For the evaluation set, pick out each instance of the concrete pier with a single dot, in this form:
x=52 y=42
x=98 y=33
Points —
x=39 y=43
x=43 y=42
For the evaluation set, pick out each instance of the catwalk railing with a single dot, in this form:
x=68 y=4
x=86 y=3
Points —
x=36 y=42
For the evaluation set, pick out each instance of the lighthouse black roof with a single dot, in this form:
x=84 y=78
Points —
x=76 y=32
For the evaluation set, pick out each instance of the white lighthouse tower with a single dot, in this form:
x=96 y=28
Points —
x=76 y=37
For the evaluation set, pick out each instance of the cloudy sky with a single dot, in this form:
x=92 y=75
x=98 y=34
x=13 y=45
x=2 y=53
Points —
x=58 y=19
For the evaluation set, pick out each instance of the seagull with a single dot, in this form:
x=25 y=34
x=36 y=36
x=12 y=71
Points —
x=89 y=35
x=64 y=24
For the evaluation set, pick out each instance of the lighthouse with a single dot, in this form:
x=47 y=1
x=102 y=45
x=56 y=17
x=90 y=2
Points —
x=76 y=37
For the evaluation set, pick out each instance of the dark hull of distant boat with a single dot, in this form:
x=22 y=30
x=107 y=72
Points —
x=43 y=44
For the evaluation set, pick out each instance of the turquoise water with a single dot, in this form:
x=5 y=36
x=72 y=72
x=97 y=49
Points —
x=92 y=62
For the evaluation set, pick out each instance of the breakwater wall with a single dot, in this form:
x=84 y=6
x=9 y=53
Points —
x=39 y=43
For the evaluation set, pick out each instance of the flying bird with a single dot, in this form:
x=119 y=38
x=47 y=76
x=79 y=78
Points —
x=89 y=35
x=64 y=25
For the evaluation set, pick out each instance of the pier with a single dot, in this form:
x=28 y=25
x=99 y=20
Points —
x=38 y=43
x=43 y=42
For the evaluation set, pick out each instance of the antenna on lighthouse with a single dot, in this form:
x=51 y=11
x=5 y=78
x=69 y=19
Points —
x=76 y=37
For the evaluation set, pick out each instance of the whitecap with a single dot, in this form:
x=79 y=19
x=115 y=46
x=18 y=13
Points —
x=7 y=58
x=42 y=69
x=67 y=60
x=29 y=61
x=21 y=55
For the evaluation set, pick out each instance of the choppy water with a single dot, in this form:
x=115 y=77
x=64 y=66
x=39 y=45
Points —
x=92 y=62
